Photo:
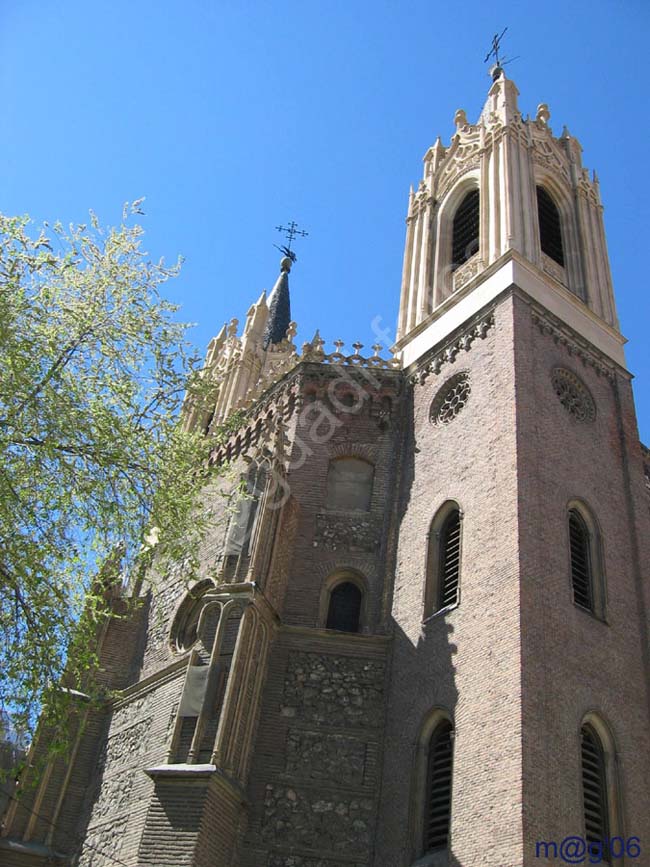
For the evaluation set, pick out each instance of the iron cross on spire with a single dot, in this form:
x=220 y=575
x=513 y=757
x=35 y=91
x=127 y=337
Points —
x=499 y=62
x=496 y=45
x=291 y=231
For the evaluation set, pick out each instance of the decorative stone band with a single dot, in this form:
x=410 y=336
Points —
x=463 y=343
x=573 y=345
x=467 y=271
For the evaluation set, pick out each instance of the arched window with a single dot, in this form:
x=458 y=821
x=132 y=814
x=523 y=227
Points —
x=586 y=559
x=581 y=566
x=437 y=802
x=443 y=560
x=465 y=229
x=344 y=609
x=550 y=230
x=594 y=789
x=349 y=484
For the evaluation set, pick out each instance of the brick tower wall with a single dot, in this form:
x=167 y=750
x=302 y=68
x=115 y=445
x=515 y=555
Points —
x=466 y=660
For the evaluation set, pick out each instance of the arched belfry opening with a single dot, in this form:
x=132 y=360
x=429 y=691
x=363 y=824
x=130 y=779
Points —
x=465 y=229
x=550 y=227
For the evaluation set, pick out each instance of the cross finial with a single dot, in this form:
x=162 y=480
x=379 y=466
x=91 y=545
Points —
x=499 y=61
x=496 y=45
x=291 y=231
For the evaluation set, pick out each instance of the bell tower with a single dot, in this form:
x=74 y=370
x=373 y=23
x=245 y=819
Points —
x=518 y=713
x=506 y=199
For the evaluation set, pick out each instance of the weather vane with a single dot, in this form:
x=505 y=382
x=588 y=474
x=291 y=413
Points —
x=291 y=231
x=499 y=62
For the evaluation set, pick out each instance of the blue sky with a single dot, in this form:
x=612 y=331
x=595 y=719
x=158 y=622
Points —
x=231 y=117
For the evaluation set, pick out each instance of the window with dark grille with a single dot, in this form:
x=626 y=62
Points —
x=581 y=577
x=465 y=229
x=594 y=788
x=550 y=232
x=344 y=608
x=438 y=792
x=449 y=570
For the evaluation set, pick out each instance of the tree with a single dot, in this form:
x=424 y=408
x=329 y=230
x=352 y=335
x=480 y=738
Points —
x=93 y=369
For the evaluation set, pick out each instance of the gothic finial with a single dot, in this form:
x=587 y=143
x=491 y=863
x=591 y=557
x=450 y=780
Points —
x=460 y=118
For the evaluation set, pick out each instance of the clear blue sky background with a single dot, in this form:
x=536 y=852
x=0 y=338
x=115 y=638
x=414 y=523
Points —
x=231 y=117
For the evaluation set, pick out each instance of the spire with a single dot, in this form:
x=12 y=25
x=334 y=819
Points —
x=279 y=307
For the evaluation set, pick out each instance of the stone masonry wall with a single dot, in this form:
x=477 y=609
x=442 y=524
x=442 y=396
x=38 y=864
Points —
x=314 y=785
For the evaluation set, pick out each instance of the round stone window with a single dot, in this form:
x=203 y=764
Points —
x=451 y=398
x=573 y=394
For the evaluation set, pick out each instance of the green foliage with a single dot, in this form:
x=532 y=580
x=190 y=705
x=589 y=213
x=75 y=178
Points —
x=93 y=371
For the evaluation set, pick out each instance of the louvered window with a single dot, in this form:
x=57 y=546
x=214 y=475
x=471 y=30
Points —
x=449 y=571
x=344 y=608
x=438 y=792
x=581 y=576
x=594 y=787
x=550 y=232
x=465 y=229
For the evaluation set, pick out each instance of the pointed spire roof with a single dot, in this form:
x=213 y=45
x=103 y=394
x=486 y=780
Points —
x=279 y=307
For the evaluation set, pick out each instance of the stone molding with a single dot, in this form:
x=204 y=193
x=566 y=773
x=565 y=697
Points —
x=434 y=361
x=575 y=346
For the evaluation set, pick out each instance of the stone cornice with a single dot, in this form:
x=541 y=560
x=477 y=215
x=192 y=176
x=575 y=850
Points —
x=576 y=346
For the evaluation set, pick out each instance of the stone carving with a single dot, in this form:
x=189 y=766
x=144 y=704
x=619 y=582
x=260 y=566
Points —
x=347 y=533
x=333 y=758
x=103 y=845
x=333 y=690
x=451 y=398
x=573 y=347
x=467 y=271
x=336 y=824
x=449 y=353
x=546 y=152
x=573 y=394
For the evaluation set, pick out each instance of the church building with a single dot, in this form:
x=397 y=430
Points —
x=420 y=637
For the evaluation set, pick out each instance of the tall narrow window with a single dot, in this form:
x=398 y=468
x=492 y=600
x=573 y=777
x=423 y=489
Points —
x=550 y=230
x=594 y=788
x=465 y=232
x=449 y=560
x=344 y=610
x=438 y=788
x=581 y=565
x=442 y=588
